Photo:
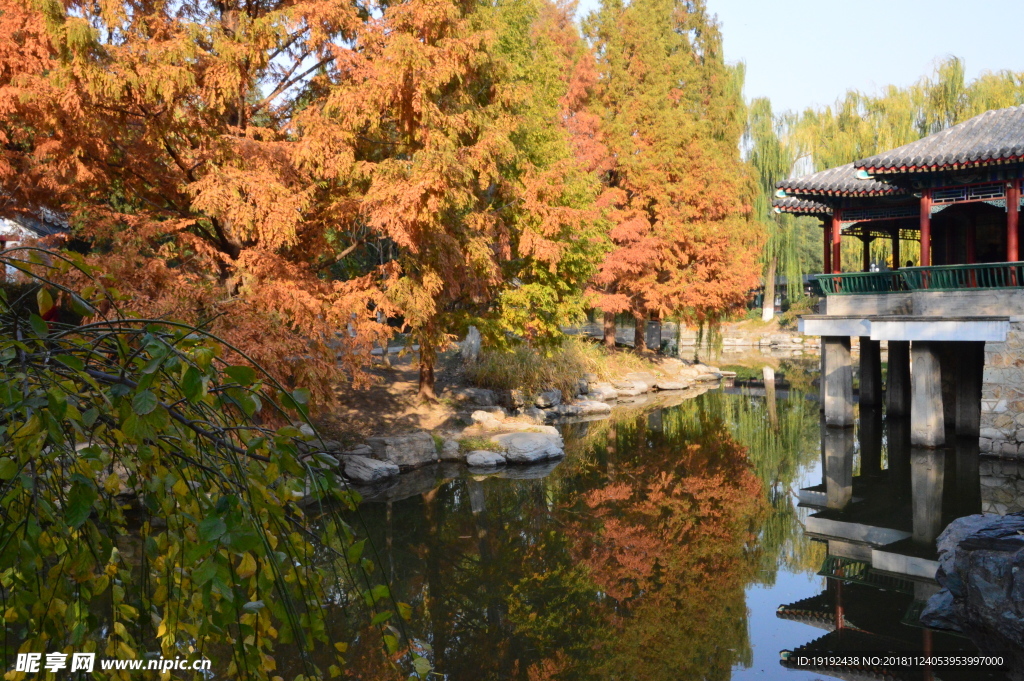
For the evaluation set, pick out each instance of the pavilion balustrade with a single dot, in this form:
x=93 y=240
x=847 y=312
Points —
x=938 y=278
x=849 y=283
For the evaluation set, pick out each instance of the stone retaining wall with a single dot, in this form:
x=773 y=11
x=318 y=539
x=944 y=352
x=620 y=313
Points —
x=1002 y=486
x=1002 y=396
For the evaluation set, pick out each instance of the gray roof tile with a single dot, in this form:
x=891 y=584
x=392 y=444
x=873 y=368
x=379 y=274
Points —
x=791 y=204
x=839 y=181
x=993 y=137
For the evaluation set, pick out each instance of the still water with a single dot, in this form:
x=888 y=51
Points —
x=685 y=542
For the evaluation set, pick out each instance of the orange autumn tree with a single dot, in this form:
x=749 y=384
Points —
x=166 y=132
x=232 y=164
x=671 y=114
x=444 y=141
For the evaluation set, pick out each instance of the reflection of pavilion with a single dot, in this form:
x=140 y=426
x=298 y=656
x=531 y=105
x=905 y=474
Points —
x=880 y=528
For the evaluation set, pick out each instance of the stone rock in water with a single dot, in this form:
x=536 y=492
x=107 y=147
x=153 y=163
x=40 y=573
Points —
x=602 y=392
x=359 y=450
x=362 y=469
x=583 y=386
x=588 y=407
x=530 y=447
x=450 y=451
x=981 y=570
x=405 y=451
x=482 y=459
x=672 y=385
x=630 y=388
x=469 y=349
x=551 y=398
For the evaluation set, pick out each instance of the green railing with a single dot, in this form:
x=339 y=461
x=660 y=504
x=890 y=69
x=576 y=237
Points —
x=959 y=277
x=848 y=283
x=937 y=278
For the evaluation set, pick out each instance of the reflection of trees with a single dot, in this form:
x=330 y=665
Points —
x=630 y=561
x=667 y=542
x=778 y=455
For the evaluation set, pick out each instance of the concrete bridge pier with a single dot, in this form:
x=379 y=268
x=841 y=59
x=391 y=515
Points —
x=927 y=475
x=869 y=435
x=897 y=391
x=870 y=372
x=927 y=428
x=970 y=369
x=837 y=445
x=837 y=379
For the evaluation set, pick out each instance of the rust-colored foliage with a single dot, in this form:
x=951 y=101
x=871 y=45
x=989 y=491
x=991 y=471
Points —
x=675 y=185
x=166 y=132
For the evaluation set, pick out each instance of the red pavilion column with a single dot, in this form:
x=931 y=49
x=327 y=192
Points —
x=837 y=235
x=926 y=228
x=1012 y=219
x=827 y=257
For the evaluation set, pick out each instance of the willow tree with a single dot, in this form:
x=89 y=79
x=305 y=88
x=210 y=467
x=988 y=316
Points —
x=677 y=194
x=771 y=156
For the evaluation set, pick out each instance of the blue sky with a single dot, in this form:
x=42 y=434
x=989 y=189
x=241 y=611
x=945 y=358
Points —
x=804 y=53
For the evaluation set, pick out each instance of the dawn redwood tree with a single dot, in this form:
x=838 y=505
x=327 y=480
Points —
x=291 y=174
x=672 y=116
x=166 y=132
x=444 y=132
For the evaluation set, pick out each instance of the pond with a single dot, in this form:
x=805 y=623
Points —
x=688 y=542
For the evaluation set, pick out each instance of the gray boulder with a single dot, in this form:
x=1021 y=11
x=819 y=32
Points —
x=477 y=396
x=548 y=399
x=590 y=407
x=359 y=450
x=981 y=570
x=486 y=419
x=602 y=392
x=642 y=378
x=530 y=447
x=367 y=471
x=627 y=388
x=583 y=386
x=563 y=411
x=405 y=451
x=482 y=459
x=512 y=399
x=450 y=451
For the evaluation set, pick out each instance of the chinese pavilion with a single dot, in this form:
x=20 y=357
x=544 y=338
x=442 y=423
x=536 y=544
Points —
x=959 y=314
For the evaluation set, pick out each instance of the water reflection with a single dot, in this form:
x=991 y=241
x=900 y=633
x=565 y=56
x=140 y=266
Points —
x=638 y=556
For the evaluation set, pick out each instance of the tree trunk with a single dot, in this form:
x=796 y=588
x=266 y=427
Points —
x=427 y=360
x=768 y=304
x=609 y=329
x=639 y=335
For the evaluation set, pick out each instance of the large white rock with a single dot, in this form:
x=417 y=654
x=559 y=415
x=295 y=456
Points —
x=588 y=407
x=405 y=451
x=628 y=388
x=530 y=447
x=551 y=398
x=483 y=459
x=672 y=385
x=362 y=469
x=602 y=391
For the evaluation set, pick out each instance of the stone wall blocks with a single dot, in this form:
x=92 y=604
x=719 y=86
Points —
x=984 y=444
x=990 y=434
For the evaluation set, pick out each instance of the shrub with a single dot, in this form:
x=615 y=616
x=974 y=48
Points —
x=139 y=479
x=528 y=369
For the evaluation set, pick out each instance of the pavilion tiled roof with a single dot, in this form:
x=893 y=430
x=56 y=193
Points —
x=792 y=204
x=838 y=181
x=992 y=138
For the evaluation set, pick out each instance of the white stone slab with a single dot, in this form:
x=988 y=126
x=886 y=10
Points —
x=840 y=326
x=939 y=330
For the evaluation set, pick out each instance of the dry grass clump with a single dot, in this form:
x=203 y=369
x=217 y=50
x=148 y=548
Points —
x=533 y=371
x=476 y=444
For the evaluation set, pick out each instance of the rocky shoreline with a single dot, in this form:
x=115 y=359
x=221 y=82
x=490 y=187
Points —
x=505 y=428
